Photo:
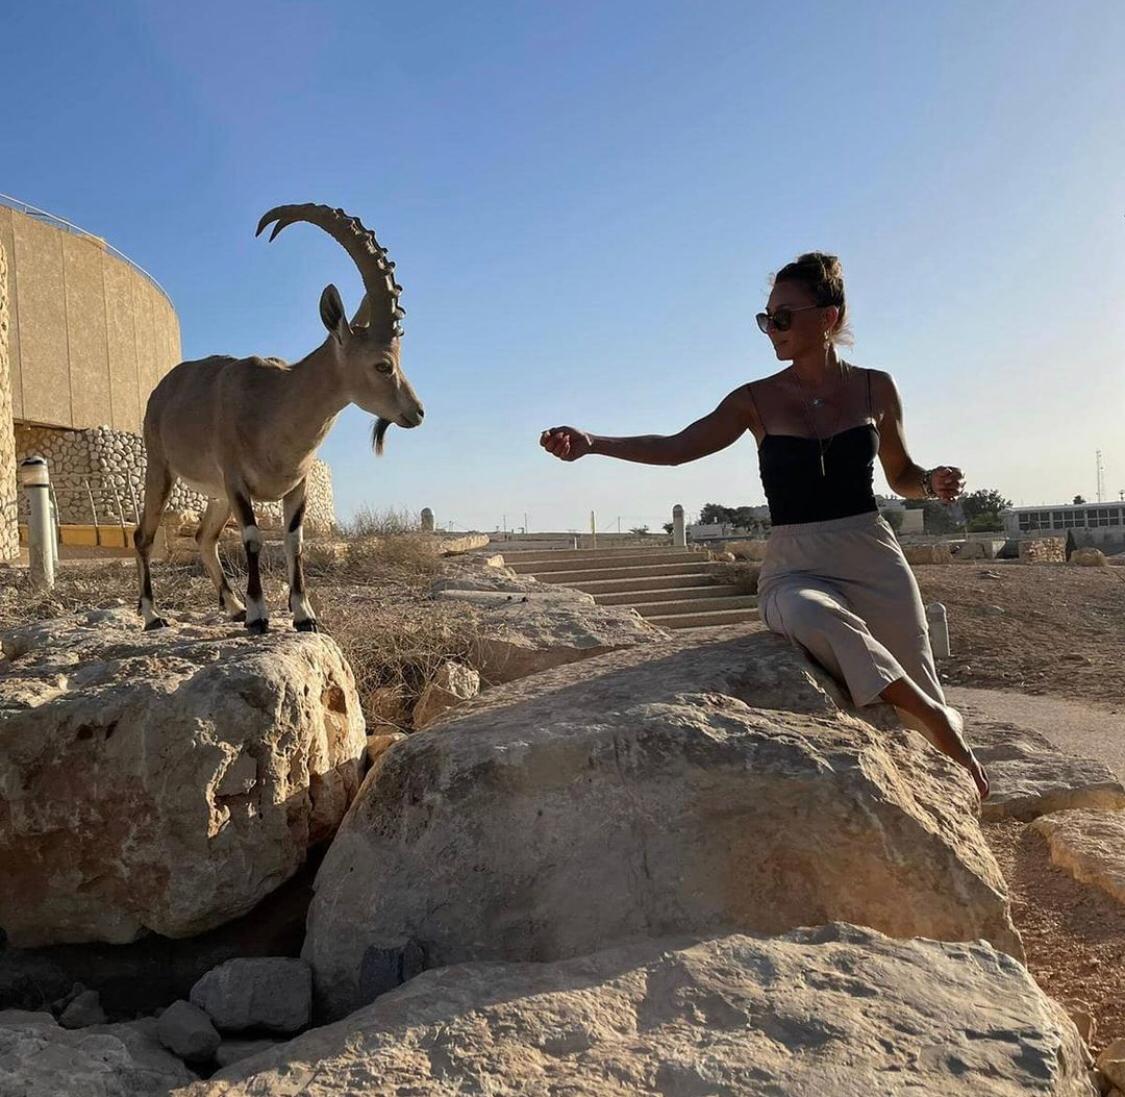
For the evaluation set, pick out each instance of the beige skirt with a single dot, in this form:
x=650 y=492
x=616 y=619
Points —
x=843 y=591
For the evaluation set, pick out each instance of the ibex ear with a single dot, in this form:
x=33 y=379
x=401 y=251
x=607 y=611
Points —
x=332 y=312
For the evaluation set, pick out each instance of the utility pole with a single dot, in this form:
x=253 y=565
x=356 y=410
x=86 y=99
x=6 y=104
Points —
x=1101 y=477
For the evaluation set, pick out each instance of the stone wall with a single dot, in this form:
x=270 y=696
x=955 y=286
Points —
x=101 y=472
x=9 y=533
x=1043 y=550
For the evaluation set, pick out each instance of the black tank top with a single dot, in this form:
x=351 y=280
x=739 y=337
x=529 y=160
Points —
x=796 y=489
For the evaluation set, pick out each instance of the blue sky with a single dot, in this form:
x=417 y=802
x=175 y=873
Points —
x=585 y=201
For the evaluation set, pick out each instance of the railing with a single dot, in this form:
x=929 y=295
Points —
x=60 y=223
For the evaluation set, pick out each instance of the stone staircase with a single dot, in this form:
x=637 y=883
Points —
x=673 y=588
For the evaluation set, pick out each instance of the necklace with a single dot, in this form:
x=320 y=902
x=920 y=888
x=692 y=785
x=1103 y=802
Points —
x=812 y=403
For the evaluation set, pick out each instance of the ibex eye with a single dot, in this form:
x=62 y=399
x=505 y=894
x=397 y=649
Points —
x=384 y=367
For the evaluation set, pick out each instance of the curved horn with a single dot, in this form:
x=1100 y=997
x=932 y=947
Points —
x=369 y=256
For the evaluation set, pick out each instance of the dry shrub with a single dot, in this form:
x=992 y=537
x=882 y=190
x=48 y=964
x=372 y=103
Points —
x=744 y=576
x=746 y=550
x=396 y=644
x=380 y=522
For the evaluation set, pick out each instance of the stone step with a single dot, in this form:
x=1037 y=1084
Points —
x=671 y=594
x=647 y=571
x=540 y=556
x=704 y=620
x=579 y=562
x=703 y=606
x=653 y=582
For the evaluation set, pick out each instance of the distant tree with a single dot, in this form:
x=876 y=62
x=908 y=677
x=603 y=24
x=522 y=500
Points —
x=640 y=531
x=669 y=527
x=716 y=514
x=938 y=519
x=985 y=523
x=1078 y=500
x=984 y=502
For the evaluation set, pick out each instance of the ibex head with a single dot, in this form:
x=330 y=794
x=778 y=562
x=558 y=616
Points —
x=368 y=347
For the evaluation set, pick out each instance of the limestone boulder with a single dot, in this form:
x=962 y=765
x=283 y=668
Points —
x=265 y=992
x=1030 y=776
x=832 y=1011
x=1090 y=845
x=452 y=684
x=124 y=1060
x=1088 y=558
x=927 y=554
x=164 y=781
x=522 y=638
x=696 y=785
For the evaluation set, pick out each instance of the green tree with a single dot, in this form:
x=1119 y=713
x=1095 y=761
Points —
x=985 y=523
x=1078 y=500
x=984 y=501
x=640 y=531
x=937 y=518
x=669 y=527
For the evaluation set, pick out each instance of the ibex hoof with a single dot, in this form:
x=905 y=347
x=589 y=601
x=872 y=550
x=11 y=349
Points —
x=239 y=616
x=155 y=623
x=258 y=627
x=306 y=626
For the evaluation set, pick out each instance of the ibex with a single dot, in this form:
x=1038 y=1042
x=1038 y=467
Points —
x=240 y=429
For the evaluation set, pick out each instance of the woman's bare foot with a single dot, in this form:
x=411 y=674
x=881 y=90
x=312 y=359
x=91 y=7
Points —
x=952 y=732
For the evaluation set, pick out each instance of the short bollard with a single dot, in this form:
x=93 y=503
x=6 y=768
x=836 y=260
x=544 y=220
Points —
x=40 y=526
x=938 y=623
x=679 y=534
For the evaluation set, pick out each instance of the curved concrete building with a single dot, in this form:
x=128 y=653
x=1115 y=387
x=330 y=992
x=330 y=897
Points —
x=90 y=334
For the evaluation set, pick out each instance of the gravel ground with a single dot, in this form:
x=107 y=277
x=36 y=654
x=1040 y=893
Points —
x=1052 y=639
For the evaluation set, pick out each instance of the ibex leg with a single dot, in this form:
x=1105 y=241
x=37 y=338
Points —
x=256 y=619
x=207 y=538
x=293 y=509
x=158 y=486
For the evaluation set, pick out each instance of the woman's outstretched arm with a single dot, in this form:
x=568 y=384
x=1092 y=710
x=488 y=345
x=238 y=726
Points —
x=903 y=475
x=710 y=434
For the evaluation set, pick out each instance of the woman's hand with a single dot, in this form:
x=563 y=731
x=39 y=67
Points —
x=566 y=443
x=948 y=481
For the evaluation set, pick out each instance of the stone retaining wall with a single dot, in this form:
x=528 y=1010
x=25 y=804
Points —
x=9 y=532
x=1043 y=550
x=101 y=472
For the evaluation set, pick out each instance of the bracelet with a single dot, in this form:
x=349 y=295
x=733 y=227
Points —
x=928 y=484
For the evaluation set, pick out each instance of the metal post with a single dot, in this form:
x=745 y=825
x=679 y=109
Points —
x=93 y=510
x=40 y=527
x=938 y=622
x=593 y=531
x=679 y=534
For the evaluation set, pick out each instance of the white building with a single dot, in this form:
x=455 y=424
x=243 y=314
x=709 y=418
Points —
x=1100 y=524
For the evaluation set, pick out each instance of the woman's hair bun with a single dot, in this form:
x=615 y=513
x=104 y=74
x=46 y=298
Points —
x=823 y=276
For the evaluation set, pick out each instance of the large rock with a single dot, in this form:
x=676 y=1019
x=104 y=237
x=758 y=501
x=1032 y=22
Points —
x=167 y=780
x=1030 y=776
x=703 y=784
x=452 y=684
x=836 y=1011
x=1090 y=845
x=270 y=992
x=43 y=1060
x=522 y=638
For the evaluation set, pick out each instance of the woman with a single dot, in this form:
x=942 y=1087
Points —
x=834 y=579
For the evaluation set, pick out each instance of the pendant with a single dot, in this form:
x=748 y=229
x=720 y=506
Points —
x=818 y=402
x=822 y=472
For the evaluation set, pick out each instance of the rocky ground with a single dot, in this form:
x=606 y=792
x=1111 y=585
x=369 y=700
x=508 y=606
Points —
x=1038 y=629
x=1048 y=631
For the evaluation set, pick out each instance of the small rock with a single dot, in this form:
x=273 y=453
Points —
x=377 y=744
x=12 y=1017
x=1111 y=1062
x=270 y=992
x=231 y=1051
x=452 y=684
x=186 y=1031
x=85 y=1010
x=1082 y=1016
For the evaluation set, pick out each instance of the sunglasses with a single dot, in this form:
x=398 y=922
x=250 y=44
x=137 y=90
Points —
x=782 y=318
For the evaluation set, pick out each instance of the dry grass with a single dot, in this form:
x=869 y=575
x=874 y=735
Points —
x=744 y=576
x=369 y=594
x=380 y=522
